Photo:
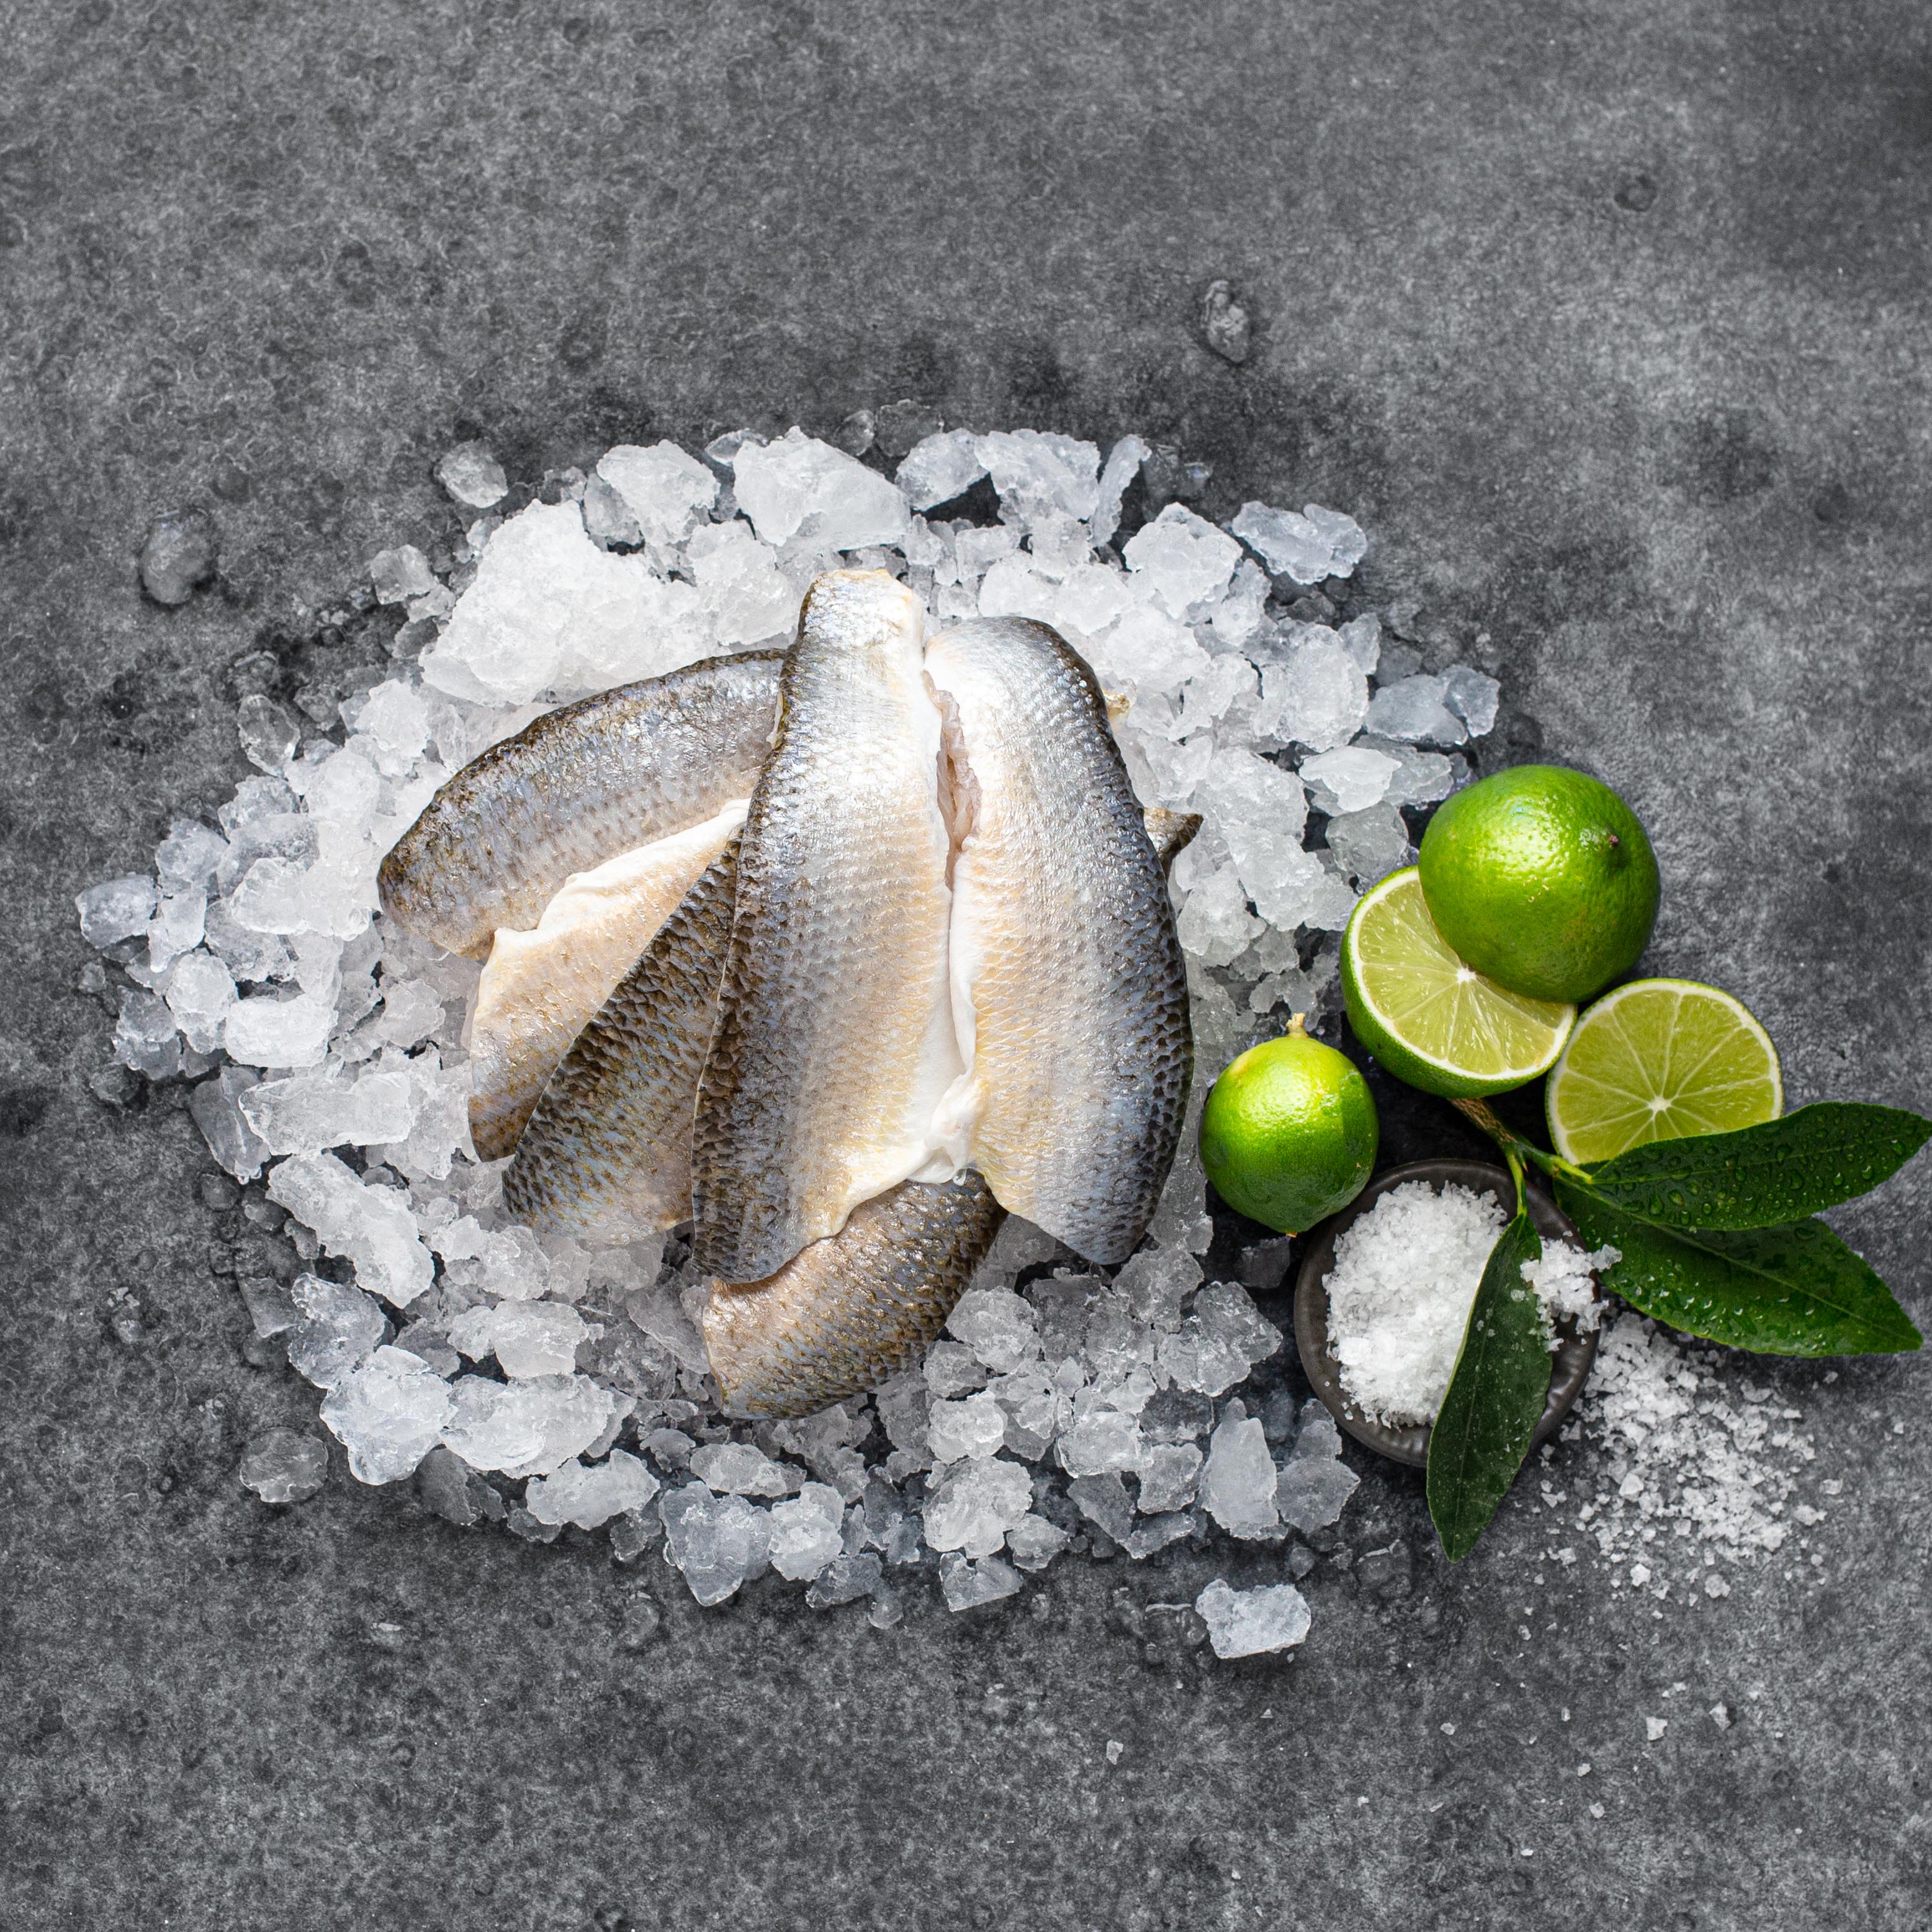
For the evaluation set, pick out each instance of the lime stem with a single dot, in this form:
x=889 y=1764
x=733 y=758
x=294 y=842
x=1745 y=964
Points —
x=1296 y=1031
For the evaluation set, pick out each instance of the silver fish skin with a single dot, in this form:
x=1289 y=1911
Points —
x=848 y=1312
x=835 y=1040
x=1069 y=991
x=607 y=1155
x=541 y=987
x=575 y=788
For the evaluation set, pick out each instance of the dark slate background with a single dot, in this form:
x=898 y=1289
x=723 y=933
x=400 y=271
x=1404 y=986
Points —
x=1608 y=321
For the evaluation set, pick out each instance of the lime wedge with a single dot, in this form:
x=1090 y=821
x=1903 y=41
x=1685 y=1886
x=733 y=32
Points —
x=1428 y=1018
x=1659 y=1059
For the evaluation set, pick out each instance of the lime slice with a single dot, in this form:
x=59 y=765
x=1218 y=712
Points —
x=1428 y=1018
x=1659 y=1059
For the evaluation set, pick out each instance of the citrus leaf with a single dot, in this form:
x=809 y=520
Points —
x=1796 y=1290
x=1495 y=1399
x=1764 y=1177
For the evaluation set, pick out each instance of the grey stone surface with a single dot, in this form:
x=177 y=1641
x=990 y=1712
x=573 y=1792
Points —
x=1608 y=324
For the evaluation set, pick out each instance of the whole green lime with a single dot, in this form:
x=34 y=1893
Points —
x=1289 y=1131
x=1542 y=879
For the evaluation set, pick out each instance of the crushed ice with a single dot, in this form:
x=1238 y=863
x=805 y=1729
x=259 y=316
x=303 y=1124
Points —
x=1063 y=1411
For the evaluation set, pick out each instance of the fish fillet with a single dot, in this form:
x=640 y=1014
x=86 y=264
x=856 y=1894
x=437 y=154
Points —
x=541 y=987
x=607 y=1155
x=835 y=1040
x=1069 y=993
x=849 y=1312
x=578 y=786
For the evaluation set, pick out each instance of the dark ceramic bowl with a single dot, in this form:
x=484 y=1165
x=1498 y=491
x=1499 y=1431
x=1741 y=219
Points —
x=1570 y=1362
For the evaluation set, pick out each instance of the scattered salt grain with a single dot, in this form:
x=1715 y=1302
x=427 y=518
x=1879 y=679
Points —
x=282 y=1467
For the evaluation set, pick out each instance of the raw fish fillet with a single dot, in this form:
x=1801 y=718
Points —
x=541 y=987
x=835 y=1040
x=849 y=1312
x=607 y=1155
x=1069 y=994
x=578 y=786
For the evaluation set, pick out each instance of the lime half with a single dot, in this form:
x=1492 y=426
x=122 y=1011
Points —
x=1430 y=1019
x=1659 y=1059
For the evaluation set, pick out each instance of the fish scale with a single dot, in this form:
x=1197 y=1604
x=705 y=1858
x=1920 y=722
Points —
x=575 y=788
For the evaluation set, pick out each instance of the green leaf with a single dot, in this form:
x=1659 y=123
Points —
x=1495 y=1399
x=1792 y=1291
x=1764 y=1177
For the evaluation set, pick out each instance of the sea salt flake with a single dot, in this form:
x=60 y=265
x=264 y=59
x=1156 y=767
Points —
x=1249 y=1623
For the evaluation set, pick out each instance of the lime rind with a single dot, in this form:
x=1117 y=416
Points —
x=1661 y=1059
x=1431 y=1019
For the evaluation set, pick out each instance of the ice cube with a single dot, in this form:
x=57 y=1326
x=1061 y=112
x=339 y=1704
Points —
x=1001 y=1330
x=527 y=1428
x=844 y=1580
x=1101 y=1440
x=190 y=856
x=740 y=1469
x=1291 y=546
x=387 y=1412
x=528 y=1338
x=975 y=1427
x=807 y=1533
x=369 y=1225
x=1038 y=473
x=591 y=1497
x=145 y=1037
x=472 y=476
x=1168 y=1474
x=216 y=1106
x=1421 y=777
x=1033 y=1543
x=966 y=1586
x=1472 y=697
x=282 y=1467
x=268 y=731
x=1220 y=1342
x=719 y=1543
x=412 y=1011
x=976 y=1501
x=1349 y=778
x=1215 y=924
x=952 y=1369
x=1362 y=639
x=397 y=721
x=1314 y=1484
x=337 y=1327
x=308 y=1112
x=1316 y=695
x=1156 y=1282
x=800 y=488
x=1183 y=559
x=549 y=610
x=1102 y=1500
x=1370 y=843
x=938 y=468
x=749 y=597
x=116 y=909
x=265 y=1031
x=1246 y=1623
x=667 y=491
x=400 y=574
x=1237 y=1484
x=1123 y=465
x=1413 y=708
x=176 y=927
